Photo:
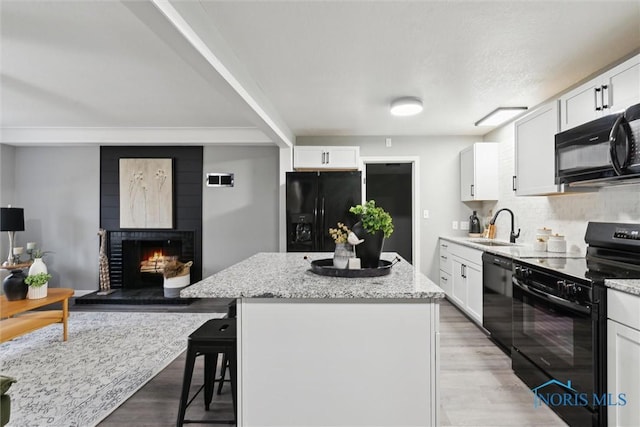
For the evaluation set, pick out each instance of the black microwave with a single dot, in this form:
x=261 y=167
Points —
x=601 y=152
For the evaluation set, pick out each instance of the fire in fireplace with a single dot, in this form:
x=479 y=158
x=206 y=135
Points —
x=137 y=258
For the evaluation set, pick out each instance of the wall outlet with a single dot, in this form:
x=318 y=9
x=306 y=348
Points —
x=387 y=142
x=425 y=214
x=464 y=225
x=454 y=225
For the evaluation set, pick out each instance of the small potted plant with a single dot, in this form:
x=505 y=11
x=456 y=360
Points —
x=344 y=250
x=37 y=285
x=374 y=226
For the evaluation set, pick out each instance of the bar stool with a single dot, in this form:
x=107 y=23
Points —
x=214 y=337
x=231 y=314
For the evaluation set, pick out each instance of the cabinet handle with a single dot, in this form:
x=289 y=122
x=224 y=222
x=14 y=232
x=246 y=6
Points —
x=444 y=246
x=443 y=257
x=513 y=183
x=595 y=94
x=328 y=157
x=472 y=190
x=605 y=99
x=443 y=278
x=323 y=157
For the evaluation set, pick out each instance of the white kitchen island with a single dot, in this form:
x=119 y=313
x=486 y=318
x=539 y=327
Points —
x=328 y=351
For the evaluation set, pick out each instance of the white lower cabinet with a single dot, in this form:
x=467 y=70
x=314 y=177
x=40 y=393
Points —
x=461 y=277
x=623 y=357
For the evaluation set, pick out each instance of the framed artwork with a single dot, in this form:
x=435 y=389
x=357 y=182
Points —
x=146 y=193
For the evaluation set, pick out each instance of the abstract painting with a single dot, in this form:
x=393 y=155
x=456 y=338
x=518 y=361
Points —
x=146 y=193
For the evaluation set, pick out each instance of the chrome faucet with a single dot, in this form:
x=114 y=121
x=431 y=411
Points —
x=513 y=236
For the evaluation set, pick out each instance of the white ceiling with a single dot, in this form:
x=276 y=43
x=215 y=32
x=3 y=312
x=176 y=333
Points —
x=314 y=67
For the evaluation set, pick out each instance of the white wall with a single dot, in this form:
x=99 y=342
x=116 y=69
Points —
x=439 y=182
x=242 y=220
x=567 y=214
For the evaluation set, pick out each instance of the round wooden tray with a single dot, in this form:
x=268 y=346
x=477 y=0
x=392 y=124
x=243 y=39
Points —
x=324 y=267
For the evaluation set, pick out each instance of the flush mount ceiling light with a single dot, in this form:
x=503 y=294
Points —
x=500 y=115
x=407 y=106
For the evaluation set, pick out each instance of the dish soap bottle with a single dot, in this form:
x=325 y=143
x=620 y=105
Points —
x=474 y=224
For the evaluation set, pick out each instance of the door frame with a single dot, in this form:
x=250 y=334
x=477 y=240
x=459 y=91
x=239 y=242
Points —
x=415 y=196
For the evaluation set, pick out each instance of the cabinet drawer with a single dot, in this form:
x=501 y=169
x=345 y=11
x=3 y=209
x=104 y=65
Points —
x=470 y=254
x=445 y=257
x=623 y=308
x=445 y=282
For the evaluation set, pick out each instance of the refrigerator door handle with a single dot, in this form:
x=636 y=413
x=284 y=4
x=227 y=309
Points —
x=314 y=230
x=321 y=233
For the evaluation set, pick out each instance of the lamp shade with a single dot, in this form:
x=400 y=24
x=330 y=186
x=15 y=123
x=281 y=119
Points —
x=11 y=219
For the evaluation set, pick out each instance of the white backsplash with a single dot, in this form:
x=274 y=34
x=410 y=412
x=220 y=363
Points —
x=566 y=214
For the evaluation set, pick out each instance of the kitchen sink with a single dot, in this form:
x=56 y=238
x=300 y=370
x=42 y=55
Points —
x=491 y=243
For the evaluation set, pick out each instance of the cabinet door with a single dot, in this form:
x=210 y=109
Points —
x=580 y=105
x=308 y=157
x=535 y=151
x=622 y=86
x=467 y=174
x=623 y=373
x=458 y=283
x=342 y=157
x=473 y=273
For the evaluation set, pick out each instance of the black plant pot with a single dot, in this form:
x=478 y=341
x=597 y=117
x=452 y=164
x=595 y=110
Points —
x=368 y=251
x=14 y=286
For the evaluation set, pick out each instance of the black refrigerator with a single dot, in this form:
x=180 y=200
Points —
x=317 y=201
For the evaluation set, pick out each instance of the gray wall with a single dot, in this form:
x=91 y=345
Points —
x=439 y=182
x=7 y=173
x=59 y=189
x=242 y=220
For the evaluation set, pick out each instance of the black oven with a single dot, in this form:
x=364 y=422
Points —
x=556 y=330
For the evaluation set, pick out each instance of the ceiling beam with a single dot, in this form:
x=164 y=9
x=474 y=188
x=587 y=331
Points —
x=184 y=26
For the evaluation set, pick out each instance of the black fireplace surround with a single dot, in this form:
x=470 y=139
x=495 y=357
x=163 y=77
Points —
x=126 y=247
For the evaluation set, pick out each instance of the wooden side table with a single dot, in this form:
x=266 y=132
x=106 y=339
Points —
x=18 y=319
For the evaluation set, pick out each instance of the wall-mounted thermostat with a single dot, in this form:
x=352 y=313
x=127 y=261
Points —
x=219 y=180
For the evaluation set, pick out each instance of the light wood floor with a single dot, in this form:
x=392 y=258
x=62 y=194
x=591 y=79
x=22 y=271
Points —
x=477 y=387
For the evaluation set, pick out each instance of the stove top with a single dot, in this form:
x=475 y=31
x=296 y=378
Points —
x=613 y=253
x=585 y=269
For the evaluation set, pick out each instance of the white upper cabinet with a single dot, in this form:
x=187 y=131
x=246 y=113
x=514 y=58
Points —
x=479 y=172
x=315 y=157
x=535 y=151
x=611 y=92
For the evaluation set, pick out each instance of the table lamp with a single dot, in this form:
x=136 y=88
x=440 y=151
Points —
x=11 y=220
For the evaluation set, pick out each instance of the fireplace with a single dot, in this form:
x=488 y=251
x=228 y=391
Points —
x=136 y=258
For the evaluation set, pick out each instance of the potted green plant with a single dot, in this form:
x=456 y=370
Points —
x=374 y=226
x=37 y=285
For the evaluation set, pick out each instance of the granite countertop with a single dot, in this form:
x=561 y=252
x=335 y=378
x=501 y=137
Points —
x=510 y=250
x=288 y=275
x=629 y=286
x=523 y=252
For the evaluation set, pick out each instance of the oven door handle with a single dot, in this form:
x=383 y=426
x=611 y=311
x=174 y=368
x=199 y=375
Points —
x=551 y=298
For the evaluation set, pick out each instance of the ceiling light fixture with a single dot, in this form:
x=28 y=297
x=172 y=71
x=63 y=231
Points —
x=500 y=115
x=407 y=106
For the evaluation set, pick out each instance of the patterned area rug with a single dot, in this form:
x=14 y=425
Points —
x=108 y=357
